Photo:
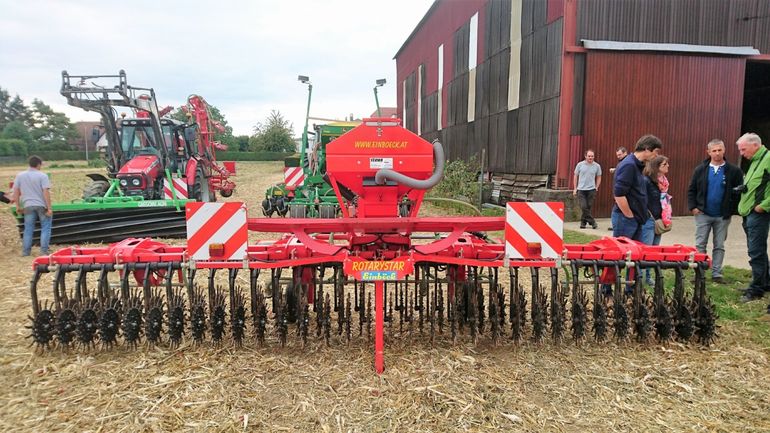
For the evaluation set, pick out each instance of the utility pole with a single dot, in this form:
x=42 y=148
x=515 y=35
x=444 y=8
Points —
x=85 y=140
x=379 y=83
x=304 y=79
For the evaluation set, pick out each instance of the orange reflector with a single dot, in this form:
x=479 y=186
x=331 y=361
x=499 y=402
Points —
x=534 y=248
x=216 y=250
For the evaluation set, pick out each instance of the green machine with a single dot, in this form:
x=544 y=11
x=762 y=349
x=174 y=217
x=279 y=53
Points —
x=305 y=192
x=113 y=218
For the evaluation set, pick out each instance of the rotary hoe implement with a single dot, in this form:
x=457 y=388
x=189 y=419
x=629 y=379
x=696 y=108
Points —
x=378 y=269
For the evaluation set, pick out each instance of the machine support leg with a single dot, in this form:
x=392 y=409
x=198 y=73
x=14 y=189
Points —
x=379 y=342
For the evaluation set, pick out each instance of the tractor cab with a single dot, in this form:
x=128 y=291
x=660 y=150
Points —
x=138 y=137
x=143 y=164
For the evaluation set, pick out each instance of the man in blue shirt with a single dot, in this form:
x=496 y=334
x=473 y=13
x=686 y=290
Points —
x=630 y=211
x=712 y=200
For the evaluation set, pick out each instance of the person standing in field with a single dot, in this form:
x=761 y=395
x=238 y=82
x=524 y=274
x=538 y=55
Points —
x=32 y=191
x=620 y=153
x=754 y=207
x=588 y=177
x=711 y=199
x=630 y=211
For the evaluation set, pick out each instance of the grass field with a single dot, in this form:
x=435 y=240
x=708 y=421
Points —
x=444 y=386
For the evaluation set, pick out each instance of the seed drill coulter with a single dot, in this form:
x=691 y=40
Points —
x=378 y=268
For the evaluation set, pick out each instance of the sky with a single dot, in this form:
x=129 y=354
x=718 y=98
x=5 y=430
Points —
x=242 y=56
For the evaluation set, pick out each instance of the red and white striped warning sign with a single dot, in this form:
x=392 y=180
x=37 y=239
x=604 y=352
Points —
x=180 y=189
x=216 y=231
x=293 y=176
x=534 y=230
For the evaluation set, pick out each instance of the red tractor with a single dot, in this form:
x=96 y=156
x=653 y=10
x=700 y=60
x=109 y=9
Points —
x=154 y=165
x=137 y=159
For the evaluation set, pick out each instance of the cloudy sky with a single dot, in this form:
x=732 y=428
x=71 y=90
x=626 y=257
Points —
x=242 y=56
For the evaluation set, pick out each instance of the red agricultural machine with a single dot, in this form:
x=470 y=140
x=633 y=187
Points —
x=379 y=266
x=154 y=165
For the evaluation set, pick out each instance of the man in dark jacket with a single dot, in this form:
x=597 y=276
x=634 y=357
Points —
x=630 y=211
x=713 y=201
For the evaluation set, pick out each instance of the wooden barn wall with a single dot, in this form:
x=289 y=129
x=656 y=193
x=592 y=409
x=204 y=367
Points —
x=437 y=27
x=410 y=102
x=532 y=129
x=684 y=100
x=455 y=133
x=429 y=113
x=699 y=22
x=579 y=79
x=460 y=46
x=522 y=140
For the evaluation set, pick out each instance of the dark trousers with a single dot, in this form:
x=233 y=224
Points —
x=757 y=225
x=586 y=202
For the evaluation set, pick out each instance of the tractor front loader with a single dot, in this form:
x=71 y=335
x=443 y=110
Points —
x=379 y=268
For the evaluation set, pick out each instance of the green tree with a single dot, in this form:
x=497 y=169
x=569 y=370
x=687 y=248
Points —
x=273 y=135
x=242 y=142
x=18 y=130
x=51 y=130
x=12 y=109
x=17 y=138
x=12 y=147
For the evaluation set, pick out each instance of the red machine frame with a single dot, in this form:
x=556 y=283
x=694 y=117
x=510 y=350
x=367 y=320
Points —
x=376 y=245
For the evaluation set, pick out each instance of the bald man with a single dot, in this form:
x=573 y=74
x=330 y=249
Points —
x=754 y=207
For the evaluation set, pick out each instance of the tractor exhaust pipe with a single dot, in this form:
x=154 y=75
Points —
x=386 y=174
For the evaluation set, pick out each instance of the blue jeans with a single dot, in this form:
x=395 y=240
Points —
x=649 y=238
x=31 y=215
x=648 y=232
x=628 y=227
x=757 y=225
x=623 y=226
x=705 y=224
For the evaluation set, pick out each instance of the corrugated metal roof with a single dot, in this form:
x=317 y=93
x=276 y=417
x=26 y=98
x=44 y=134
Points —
x=704 y=22
x=682 y=48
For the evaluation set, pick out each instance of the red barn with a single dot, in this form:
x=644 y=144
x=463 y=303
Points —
x=534 y=83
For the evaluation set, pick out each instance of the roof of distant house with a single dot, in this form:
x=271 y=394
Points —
x=386 y=112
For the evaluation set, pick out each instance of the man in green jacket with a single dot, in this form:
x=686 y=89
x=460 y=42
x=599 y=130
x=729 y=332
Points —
x=754 y=207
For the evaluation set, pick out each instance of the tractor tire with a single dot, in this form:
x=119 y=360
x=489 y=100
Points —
x=95 y=189
x=226 y=193
x=267 y=208
x=200 y=189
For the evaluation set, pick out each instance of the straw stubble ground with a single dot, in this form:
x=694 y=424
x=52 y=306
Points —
x=444 y=387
